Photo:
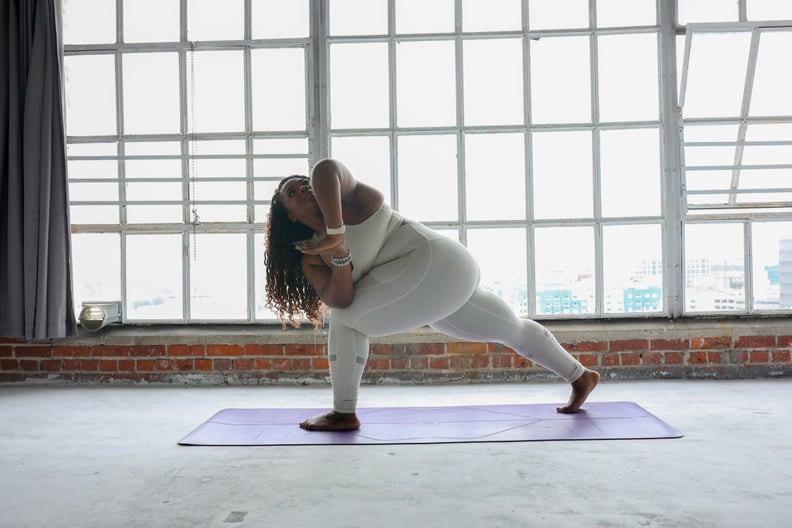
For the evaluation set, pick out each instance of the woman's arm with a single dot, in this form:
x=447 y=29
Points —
x=333 y=284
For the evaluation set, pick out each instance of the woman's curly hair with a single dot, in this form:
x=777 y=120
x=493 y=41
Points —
x=289 y=294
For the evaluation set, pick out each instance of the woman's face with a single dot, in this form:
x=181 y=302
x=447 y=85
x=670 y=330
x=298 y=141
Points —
x=298 y=198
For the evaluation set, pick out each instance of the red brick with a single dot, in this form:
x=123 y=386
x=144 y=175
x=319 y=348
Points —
x=51 y=365
x=147 y=351
x=759 y=356
x=480 y=362
x=110 y=351
x=698 y=358
x=70 y=351
x=224 y=350
x=588 y=360
x=715 y=358
x=266 y=364
x=184 y=364
x=126 y=365
x=144 y=365
x=378 y=364
x=71 y=364
x=281 y=364
x=8 y=364
x=177 y=350
x=586 y=346
x=755 y=341
x=6 y=351
x=460 y=362
x=203 y=364
x=438 y=363
x=263 y=350
x=163 y=364
x=198 y=350
x=699 y=343
x=434 y=349
x=466 y=348
x=503 y=361
x=89 y=365
x=304 y=350
x=781 y=356
x=319 y=364
x=28 y=364
x=381 y=349
x=301 y=364
x=652 y=358
x=419 y=363
x=221 y=364
x=629 y=345
x=400 y=363
x=11 y=340
x=35 y=351
x=242 y=364
x=521 y=362
x=610 y=360
x=784 y=341
x=631 y=359
x=674 y=358
x=669 y=344
x=108 y=365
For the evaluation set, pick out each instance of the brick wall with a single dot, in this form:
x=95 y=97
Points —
x=260 y=354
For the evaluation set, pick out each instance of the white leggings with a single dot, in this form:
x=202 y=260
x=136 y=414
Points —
x=421 y=277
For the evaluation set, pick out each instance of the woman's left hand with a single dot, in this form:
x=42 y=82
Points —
x=322 y=244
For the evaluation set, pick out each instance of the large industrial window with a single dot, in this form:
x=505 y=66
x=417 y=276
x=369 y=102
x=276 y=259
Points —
x=552 y=138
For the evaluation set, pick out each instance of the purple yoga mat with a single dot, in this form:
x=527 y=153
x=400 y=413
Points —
x=435 y=425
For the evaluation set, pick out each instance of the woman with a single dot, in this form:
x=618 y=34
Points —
x=333 y=240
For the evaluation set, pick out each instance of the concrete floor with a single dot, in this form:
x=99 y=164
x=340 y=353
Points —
x=84 y=457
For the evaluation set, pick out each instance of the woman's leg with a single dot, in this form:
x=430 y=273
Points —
x=423 y=278
x=485 y=317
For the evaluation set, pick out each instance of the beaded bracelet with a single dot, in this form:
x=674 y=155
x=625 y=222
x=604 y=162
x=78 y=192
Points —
x=343 y=261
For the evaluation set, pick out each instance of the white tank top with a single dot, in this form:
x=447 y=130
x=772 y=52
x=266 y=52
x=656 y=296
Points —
x=365 y=240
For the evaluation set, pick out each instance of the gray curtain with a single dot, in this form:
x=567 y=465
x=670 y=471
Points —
x=35 y=253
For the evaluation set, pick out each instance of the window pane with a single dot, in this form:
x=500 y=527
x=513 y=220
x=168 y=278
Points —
x=278 y=105
x=425 y=84
x=551 y=14
x=93 y=214
x=428 y=177
x=157 y=168
x=154 y=214
x=154 y=285
x=562 y=162
x=280 y=146
x=279 y=18
x=628 y=88
x=359 y=85
x=564 y=259
x=93 y=192
x=769 y=10
x=212 y=20
x=218 y=277
x=93 y=169
x=716 y=74
x=706 y=11
x=772 y=88
x=613 y=13
x=88 y=22
x=153 y=192
x=151 y=20
x=151 y=93
x=367 y=158
x=219 y=95
x=772 y=262
x=493 y=82
x=152 y=148
x=506 y=277
x=96 y=268
x=495 y=176
x=358 y=17
x=560 y=80
x=633 y=268
x=420 y=16
x=630 y=172
x=491 y=15
x=714 y=267
x=90 y=95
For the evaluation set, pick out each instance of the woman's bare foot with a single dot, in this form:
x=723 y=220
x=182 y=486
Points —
x=581 y=388
x=332 y=421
